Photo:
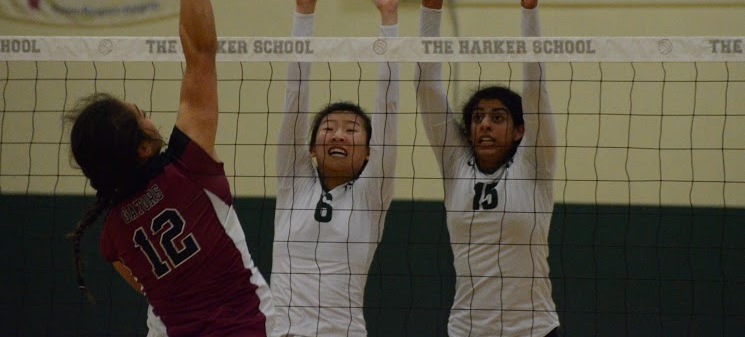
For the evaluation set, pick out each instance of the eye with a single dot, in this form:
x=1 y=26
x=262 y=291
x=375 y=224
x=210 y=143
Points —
x=478 y=117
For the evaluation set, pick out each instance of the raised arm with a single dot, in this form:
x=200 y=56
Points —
x=197 y=116
x=293 y=156
x=440 y=124
x=539 y=142
x=383 y=143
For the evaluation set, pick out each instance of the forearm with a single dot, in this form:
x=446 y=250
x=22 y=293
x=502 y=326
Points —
x=384 y=118
x=197 y=29
x=388 y=78
x=298 y=73
x=126 y=274
x=429 y=74
x=532 y=71
x=294 y=126
x=198 y=107
x=534 y=87
x=430 y=93
x=539 y=119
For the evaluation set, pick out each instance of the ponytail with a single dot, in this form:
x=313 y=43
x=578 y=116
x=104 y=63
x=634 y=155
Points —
x=90 y=216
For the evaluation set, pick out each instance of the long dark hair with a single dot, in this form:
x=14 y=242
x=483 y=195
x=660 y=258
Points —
x=76 y=235
x=104 y=140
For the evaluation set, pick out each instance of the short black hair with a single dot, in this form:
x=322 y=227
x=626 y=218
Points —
x=340 y=107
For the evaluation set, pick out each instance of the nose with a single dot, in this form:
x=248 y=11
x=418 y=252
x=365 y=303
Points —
x=485 y=124
x=337 y=135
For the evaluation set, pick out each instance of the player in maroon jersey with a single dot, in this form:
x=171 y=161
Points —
x=170 y=229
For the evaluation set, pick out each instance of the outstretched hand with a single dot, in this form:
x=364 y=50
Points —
x=388 y=11
x=529 y=4
x=305 y=6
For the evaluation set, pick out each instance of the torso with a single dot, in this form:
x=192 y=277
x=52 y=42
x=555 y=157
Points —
x=181 y=240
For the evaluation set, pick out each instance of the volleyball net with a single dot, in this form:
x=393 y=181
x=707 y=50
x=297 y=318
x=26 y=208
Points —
x=648 y=231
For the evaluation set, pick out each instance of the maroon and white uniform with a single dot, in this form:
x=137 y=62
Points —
x=182 y=241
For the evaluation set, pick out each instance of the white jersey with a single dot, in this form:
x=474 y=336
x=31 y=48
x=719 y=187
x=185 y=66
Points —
x=324 y=241
x=498 y=222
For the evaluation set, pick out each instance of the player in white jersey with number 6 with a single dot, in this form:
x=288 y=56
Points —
x=329 y=215
x=498 y=173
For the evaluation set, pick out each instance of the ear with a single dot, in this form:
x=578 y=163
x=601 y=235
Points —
x=145 y=150
x=312 y=151
x=518 y=133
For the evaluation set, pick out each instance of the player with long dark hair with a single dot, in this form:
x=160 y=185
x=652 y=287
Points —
x=170 y=229
x=497 y=159
x=330 y=215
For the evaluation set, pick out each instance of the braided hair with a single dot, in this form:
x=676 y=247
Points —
x=104 y=140
x=76 y=235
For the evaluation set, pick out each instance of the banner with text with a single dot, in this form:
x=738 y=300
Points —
x=475 y=49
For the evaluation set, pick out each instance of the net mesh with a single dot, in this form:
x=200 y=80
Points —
x=647 y=232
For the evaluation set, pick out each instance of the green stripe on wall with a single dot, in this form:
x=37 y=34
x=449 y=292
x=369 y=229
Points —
x=616 y=270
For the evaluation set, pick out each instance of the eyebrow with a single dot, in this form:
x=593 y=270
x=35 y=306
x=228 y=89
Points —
x=493 y=110
x=344 y=122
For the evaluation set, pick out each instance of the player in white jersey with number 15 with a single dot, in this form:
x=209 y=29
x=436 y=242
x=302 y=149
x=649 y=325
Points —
x=329 y=216
x=498 y=172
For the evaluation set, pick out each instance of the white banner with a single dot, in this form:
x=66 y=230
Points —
x=364 y=49
x=87 y=12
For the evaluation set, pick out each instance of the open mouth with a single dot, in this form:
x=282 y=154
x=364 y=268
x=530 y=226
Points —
x=337 y=152
x=486 y=141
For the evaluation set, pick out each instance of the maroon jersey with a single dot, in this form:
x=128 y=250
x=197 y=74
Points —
x=183 y=242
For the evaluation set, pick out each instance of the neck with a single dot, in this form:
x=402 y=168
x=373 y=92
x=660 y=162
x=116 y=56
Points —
x=330 y=182
x=489 y=166
x=333 y=179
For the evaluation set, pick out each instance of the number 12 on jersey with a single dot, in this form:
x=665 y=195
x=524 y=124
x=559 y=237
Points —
x=176 y=248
